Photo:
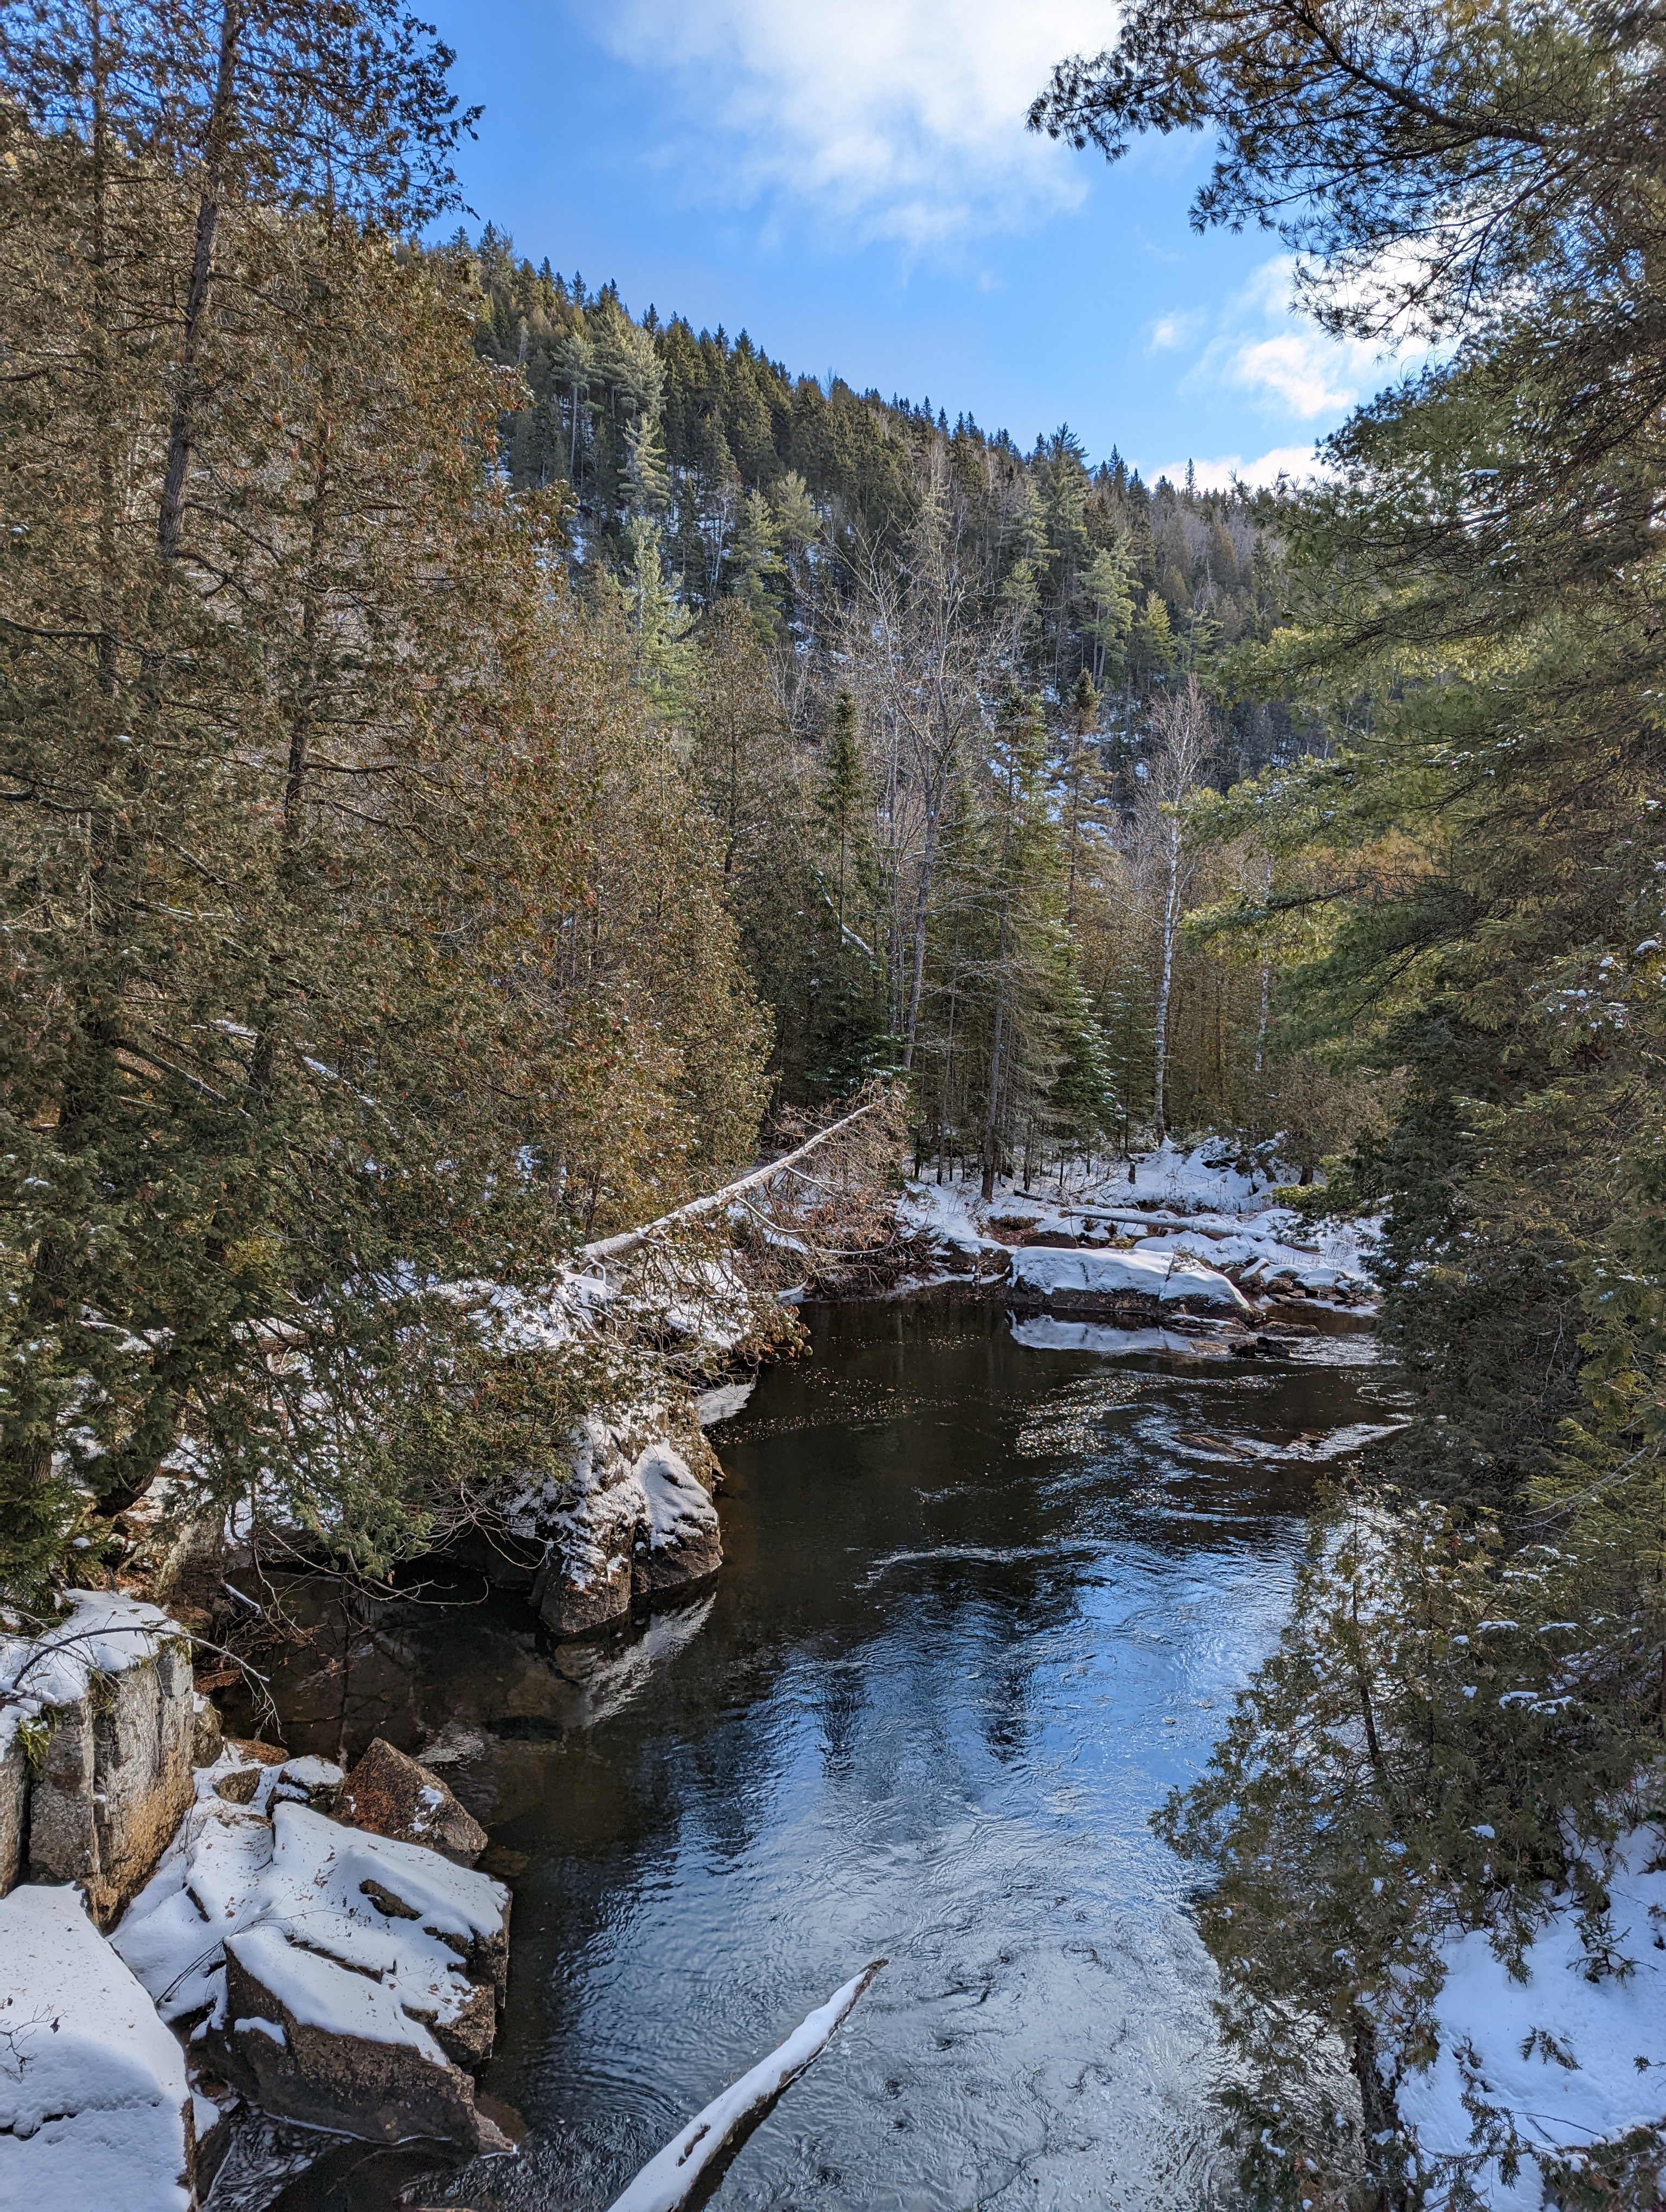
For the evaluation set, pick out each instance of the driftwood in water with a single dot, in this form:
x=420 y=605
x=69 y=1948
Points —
x=690 y=2167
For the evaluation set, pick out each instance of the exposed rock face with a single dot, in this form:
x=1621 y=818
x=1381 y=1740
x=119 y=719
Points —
x=206 y=1734
x=336 y=1977
x=392 y=1795
x=95 y=2112
x=14 y=1806
x=95 y=1753
x=632 y=1516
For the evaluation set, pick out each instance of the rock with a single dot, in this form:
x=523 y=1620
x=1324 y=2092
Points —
x=334 y=1976
x=337 y=2051
x=392 y=1795
x=190 y=1567
x=94 y=2110
x=262 y=1775
x=13 y=1795
x=682 y=1541
x=632 y=1518
x=106 y=1697
x=206 y=1735
x=1109 y=1284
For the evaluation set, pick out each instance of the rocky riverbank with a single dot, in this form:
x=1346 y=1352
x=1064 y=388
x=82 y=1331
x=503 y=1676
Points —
x=190 y=1928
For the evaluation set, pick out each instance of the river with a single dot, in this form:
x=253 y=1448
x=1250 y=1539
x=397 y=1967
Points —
x=985 y=1601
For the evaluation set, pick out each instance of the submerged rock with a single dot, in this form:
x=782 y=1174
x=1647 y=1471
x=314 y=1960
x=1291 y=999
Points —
x=391 y=1795
x=94 y=2111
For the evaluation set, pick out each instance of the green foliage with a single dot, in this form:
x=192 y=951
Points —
x=1437 y=1739
x=359 y=938
x=1467 y=891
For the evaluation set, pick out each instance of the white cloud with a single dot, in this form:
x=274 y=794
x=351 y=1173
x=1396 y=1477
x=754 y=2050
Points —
x=1261 y=345
x=1294 y=461
x=1170 y=331
x=1301 y=368
x=899 y=118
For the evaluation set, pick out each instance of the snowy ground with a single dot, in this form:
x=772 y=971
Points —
x=92 y=2095
x=1557 y=2062
x=1170 y=1205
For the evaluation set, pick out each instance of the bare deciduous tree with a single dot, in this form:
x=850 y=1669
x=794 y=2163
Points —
x=1183 y=741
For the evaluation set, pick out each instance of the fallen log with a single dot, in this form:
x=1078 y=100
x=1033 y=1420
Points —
x=686 y=2171
x=630 y=1240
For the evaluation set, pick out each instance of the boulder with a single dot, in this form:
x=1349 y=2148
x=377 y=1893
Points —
x=1119 y=1285
x=104 y=1705
x=335 y=1976
x=682 y=1542
x=336 y=2049
x=630 y=1517
x=94 y=2110
x=392 y=1795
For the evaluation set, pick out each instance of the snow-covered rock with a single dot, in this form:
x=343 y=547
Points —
x=338 y=1978
x=1552 y=2063
x=97 y=1723
x=628 y=1516
x=94 y=2111
x=1092 y=1282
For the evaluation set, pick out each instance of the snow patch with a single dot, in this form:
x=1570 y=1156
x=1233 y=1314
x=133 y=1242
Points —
x=1564 y=2061
x=93 y=2095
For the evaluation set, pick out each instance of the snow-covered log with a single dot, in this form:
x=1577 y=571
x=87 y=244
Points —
x=628 y=1240
x=685 y=2170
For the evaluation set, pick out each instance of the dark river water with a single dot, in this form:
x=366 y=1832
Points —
x=985 y=1601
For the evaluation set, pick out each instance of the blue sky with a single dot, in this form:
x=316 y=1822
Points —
x=852 y=183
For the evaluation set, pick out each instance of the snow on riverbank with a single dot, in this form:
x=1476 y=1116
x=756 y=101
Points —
x=1553 y=2063
x=92 y=2095
x=1052 y=1275
x=1173 y=1206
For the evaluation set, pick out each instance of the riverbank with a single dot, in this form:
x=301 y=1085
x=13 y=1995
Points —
x=1187 y=1208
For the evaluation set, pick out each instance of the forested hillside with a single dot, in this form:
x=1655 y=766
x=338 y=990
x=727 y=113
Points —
x=736 y=460
x=926 y=680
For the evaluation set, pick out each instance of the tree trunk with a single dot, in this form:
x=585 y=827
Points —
x=1165 y=987
x=216 y=147
x=921 y=913
x=992 y=1112
x=1266 y=986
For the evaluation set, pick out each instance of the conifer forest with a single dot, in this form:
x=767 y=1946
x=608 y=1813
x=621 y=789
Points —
x=488 y=762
